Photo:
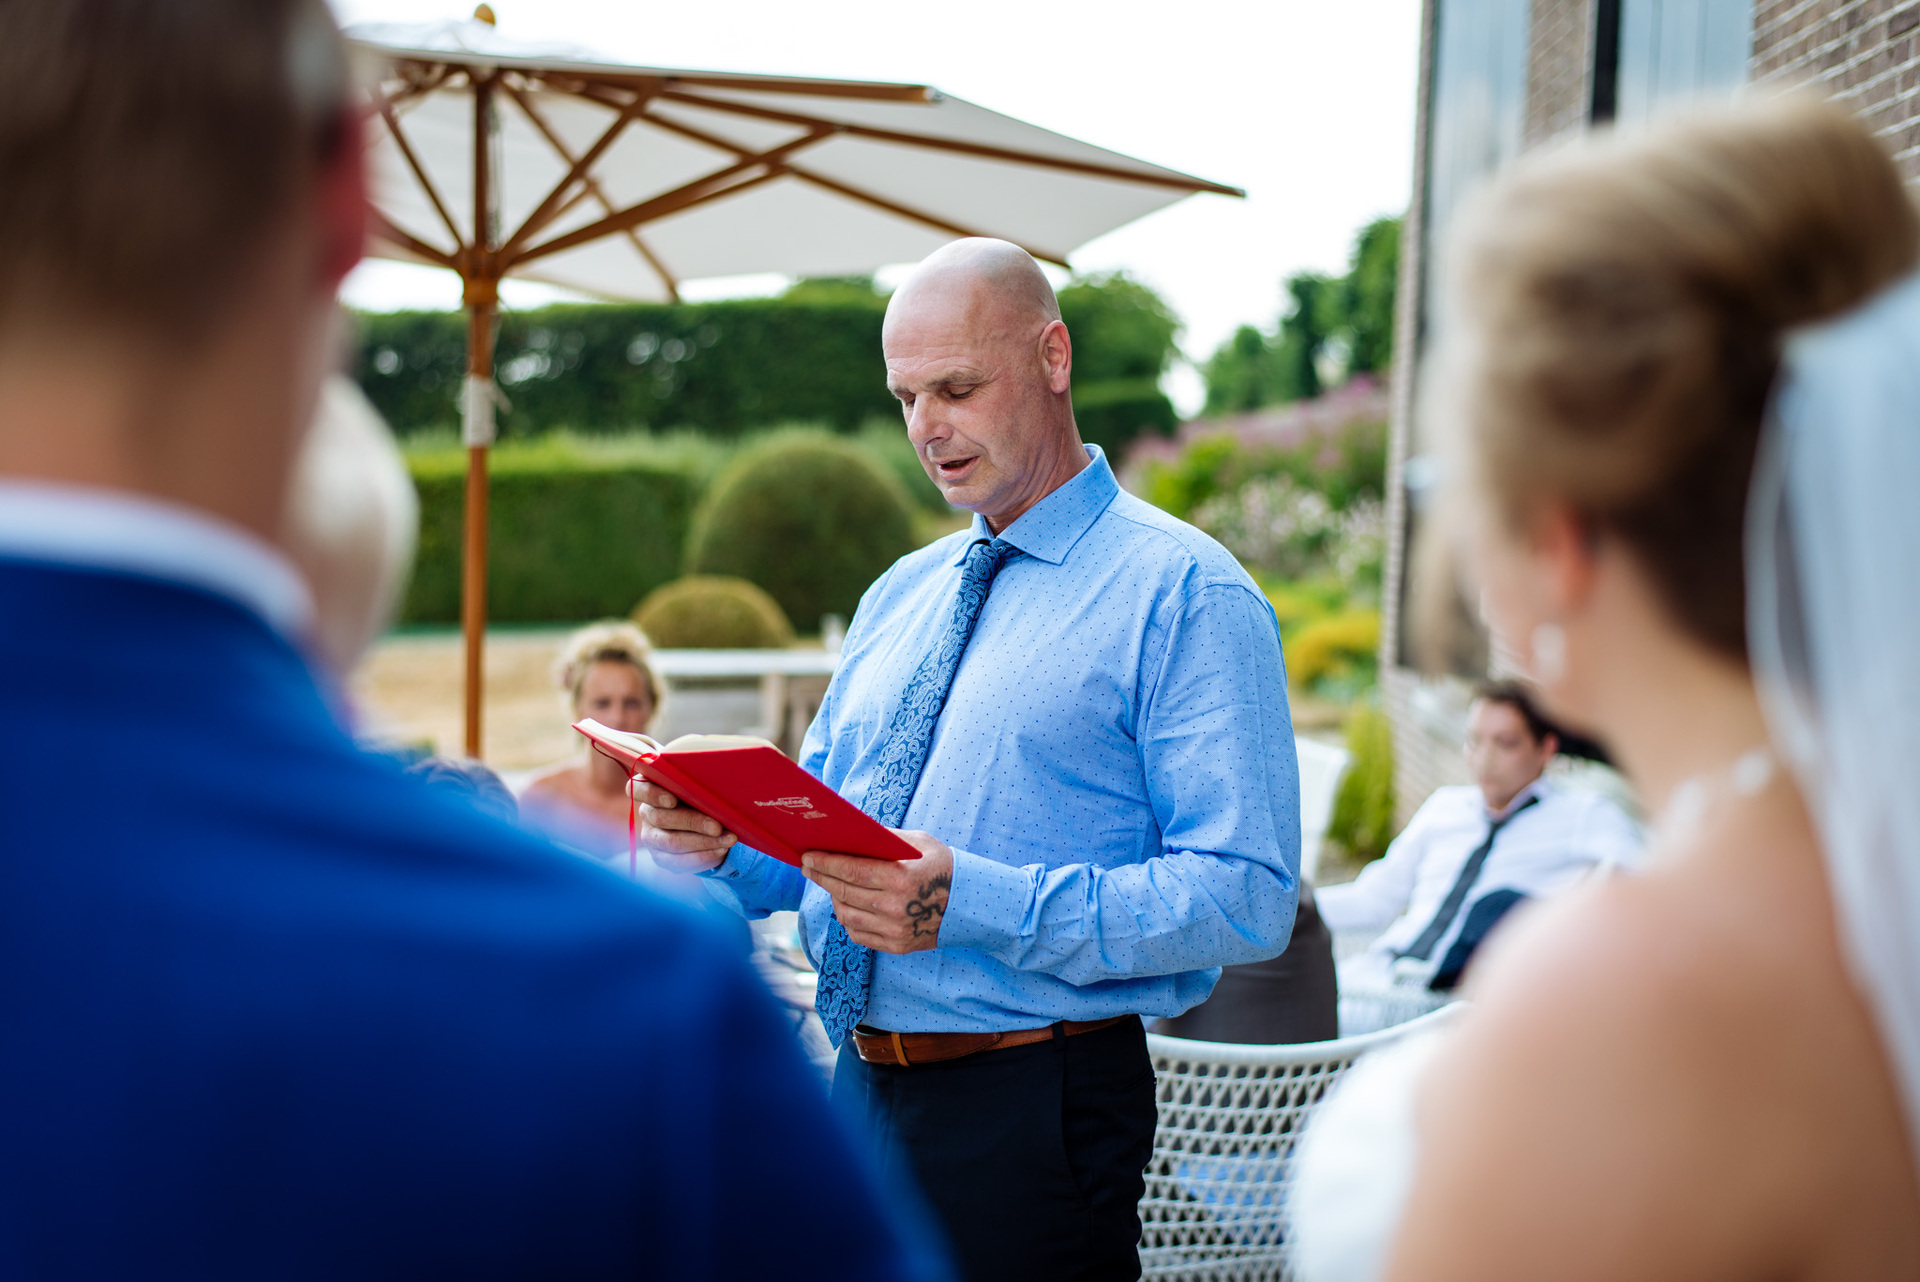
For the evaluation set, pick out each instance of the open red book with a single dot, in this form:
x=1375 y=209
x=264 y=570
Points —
x=749 y=785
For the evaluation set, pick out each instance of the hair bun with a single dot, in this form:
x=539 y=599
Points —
x=1615 y=317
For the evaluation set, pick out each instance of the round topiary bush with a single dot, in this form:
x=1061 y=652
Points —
x=710 y=612
x=809 y=517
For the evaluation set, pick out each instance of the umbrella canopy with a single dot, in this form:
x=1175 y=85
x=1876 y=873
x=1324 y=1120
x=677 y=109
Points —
x=498 y=158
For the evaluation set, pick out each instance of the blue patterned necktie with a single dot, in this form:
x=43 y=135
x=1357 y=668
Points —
x=846 y=968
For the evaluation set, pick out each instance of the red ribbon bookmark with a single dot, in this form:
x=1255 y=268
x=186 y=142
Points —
x=633 y=826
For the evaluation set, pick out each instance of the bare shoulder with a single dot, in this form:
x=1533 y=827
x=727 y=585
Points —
x=1645 y=1084
x=1574 y=1111
x=556 y=780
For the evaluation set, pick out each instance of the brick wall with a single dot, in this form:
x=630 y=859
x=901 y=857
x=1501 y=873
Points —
x=1412 y=752
x=1864 y=53
x=1559 y=68
x=1429 y=712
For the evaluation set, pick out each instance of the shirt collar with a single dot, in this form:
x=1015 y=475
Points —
x=1538 y=789
x=1049 y=529
x=132 y=533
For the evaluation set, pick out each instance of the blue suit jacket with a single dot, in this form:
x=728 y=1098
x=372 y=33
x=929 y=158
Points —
x=270 y=1009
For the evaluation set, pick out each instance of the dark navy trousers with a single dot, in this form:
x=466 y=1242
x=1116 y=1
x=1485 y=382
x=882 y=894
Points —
x=1032 y=1158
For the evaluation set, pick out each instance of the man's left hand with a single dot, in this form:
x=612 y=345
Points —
x=890 y=906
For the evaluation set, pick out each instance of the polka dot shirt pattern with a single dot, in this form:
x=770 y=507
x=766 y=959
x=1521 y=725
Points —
x=1114 y=770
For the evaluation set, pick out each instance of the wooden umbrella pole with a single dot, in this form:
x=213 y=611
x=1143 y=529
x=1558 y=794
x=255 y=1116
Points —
x=482 y=300
x=473 y=562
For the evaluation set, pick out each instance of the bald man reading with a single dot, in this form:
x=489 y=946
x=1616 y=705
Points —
x=1076 y=711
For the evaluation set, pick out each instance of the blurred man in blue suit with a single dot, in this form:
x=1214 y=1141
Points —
x=269 y=1008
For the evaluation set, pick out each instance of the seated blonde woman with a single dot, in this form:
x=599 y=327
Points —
x=606 y=672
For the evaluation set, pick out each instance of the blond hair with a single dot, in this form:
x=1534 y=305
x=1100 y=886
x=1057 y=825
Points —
x=609 y=641
x=1615 y=317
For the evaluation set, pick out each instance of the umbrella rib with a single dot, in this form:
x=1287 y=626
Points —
x=778 y=155
x=646 y=78
x=420 y=174
x=660 y=268
x=698 y=191
x=590 y=187
x=387 y=229
x=852 y=193
x=1182 y=182
x=411 y=89
x=908 y=212
x=866 y=90
x=549 y=207
x=694 y=193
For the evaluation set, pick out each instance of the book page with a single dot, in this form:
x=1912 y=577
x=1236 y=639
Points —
x=634 y=743
x=715 y=743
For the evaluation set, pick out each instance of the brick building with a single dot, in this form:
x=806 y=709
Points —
x=1501 y=77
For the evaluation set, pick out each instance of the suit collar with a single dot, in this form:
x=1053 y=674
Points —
x=119 y=531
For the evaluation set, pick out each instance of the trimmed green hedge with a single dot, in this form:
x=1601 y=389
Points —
x=738 y=365
x=713 y=612
x=1362 y=823
x=725 y=366
x=810 y=517
x=572 y=535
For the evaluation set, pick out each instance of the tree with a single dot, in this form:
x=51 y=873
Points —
x=1345 y=322
x=1305 y=333
x=1243 y=374
x=1120 y=329
x=1367 y=297
x=1123 y=341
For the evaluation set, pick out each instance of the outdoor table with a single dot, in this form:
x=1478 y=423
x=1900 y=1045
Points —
x=771 y=668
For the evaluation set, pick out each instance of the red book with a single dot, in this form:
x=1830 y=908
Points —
x=749 y=785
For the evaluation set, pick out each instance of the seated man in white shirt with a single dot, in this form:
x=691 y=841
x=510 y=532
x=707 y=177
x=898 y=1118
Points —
x=1472 y=853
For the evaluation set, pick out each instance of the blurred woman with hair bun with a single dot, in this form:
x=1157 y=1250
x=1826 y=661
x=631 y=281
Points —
x=1678 y=384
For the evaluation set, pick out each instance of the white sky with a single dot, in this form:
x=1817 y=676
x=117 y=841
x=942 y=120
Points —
x=1307 y=104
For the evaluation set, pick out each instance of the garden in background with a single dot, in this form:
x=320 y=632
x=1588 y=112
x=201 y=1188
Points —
x=735 y=474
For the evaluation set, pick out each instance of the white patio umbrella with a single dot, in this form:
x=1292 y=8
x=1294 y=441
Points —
x=498 y=158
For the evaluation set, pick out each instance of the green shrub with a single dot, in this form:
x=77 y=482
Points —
x=711 y=612
x=1113 y=413
x=574 y=533
x=1298 y=602
x=1345 y=464
x=1362 y=822
x=1205 y=467
x=886 y=439
x=811 y=518
x=1335 y=648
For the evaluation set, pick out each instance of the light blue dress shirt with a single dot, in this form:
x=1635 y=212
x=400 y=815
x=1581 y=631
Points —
x=1114 y=771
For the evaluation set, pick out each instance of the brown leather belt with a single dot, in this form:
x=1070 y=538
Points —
x=878 y=1046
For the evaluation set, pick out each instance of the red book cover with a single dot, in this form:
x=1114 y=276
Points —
x=762 y=796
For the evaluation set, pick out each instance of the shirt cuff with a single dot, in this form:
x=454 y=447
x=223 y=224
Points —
x=988 y=906
x=758 y=882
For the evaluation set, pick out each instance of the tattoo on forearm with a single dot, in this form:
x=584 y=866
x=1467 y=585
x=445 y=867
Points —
x=928 y=905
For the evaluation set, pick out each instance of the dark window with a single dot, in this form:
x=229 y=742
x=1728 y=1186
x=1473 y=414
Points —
x=1476 y=124
x=1675 y=50
x=1477 y=119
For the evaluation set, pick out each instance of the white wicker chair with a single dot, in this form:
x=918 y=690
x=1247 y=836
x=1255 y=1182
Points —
x=1366 y=1010
x=1215 y=1205
x=1322 y=766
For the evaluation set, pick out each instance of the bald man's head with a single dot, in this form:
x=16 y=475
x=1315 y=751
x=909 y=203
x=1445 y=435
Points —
x=995 y=282
x=982 y=366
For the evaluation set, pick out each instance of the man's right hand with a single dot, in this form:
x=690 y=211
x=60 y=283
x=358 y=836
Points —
x=680 y=837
